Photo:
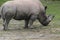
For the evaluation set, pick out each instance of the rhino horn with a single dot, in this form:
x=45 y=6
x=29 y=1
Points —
x=50 y=17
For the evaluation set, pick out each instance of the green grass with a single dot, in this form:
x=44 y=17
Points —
x=2 y=1
x=53 y=8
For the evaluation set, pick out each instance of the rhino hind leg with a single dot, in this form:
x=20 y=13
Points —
x=6 y=20
x=5 y=24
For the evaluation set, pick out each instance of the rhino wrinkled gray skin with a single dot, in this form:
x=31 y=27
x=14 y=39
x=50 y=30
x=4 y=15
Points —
x=28 y=10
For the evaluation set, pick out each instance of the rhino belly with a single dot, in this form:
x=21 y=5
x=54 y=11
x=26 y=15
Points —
x=20 y=17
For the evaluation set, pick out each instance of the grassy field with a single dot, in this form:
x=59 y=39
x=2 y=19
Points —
x=50 y=32
x=2 y=1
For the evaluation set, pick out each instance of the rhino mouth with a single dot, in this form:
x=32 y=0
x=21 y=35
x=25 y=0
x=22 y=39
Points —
x=48 y=20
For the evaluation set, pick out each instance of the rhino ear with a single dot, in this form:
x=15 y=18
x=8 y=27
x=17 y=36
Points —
x=45 y=7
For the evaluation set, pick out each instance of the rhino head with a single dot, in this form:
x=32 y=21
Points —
x=44 y=19
x=47 y=20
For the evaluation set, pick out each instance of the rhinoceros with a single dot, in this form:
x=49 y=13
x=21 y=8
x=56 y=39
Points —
x=28 y=10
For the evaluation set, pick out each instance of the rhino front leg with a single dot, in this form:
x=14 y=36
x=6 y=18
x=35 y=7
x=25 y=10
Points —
x=26 y=24
x=32 y=19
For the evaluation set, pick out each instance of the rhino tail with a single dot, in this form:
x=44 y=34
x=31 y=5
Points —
x=1 y=11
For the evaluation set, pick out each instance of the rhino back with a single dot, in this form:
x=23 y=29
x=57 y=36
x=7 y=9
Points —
x=29 y=6
x=8 y=9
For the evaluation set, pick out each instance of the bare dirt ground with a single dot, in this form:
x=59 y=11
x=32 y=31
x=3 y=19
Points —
x=17 y=32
